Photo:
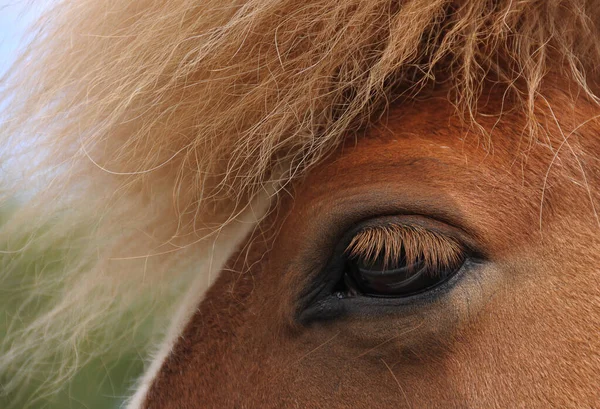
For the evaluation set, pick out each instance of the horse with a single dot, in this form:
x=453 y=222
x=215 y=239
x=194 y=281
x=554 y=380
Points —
x=350 y=204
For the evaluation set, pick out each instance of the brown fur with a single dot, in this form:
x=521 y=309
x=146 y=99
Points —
x=517 y=330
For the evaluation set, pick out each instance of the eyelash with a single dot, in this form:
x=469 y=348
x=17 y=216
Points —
x=393 y=241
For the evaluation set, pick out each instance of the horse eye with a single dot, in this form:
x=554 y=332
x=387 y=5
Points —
x=403 y=281
x=420 y=262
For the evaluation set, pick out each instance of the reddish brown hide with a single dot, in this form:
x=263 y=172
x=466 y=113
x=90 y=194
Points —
x=518 y=327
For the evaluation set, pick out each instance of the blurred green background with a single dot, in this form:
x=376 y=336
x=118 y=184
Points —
x=103 y=382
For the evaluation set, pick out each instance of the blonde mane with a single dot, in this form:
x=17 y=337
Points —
x=146 y=127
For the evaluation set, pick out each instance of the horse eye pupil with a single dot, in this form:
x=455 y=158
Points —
x=401 y=280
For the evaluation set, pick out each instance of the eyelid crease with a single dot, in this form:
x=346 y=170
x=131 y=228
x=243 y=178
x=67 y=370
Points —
x=389 y=243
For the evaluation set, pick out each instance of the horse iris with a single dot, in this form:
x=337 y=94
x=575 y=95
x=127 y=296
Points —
x=405 y=280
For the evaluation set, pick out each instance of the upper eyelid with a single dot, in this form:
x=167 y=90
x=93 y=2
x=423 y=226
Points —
x=355 y=206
